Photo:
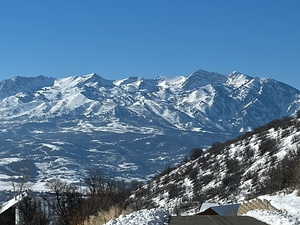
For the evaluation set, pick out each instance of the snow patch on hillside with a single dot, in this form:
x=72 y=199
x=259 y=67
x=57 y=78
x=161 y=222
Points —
x=289 y=203
x=273 y=218
x=143 y=217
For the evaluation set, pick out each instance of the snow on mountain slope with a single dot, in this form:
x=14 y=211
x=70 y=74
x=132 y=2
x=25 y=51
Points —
x=273 y=218
x=128 y=128
x=260 y=162
x=215 y=102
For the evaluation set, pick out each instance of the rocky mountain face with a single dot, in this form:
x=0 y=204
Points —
x=129 y=128
x=23 y=84
x=264 y=161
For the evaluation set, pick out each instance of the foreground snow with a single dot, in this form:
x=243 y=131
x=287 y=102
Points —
x=143 y=217
x=289 y=206
x=273 y=218
x=289 y=202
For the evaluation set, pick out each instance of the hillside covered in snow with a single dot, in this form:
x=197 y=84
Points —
x=129 y=128
x=264 y=161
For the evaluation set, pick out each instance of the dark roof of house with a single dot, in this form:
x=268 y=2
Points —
x=208 y=212
x=214 y=220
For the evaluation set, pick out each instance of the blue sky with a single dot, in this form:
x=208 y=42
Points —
x=150 y=38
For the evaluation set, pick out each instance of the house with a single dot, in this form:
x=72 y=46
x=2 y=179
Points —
x=9 y=213
x=220 y=210
x=208 y=208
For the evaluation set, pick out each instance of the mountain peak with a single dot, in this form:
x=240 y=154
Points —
x=82 y=80
x=235 y=74
x=90 y=77
x=202 y=78
x=126 y=81
x=237 y=79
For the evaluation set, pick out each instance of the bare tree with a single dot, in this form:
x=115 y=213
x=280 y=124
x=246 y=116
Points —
x=20 y=185
x=67 y=202
x=31 y=212
x=73 y=206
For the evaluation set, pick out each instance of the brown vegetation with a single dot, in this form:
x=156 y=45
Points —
x=104 y=199
x=103 y=217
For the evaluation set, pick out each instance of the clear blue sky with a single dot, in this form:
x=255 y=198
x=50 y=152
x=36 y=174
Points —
x=150 y=37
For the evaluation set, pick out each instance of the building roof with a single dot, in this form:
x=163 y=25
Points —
x=207 y=205
x=5 y=206
x=222 y=210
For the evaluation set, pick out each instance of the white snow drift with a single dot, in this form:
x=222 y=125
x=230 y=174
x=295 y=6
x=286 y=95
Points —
x=143 y=217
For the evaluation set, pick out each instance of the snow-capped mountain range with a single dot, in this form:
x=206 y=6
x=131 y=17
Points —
x=60 y=128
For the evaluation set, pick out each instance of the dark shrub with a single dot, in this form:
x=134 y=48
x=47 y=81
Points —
x=232 y=165
x=295 y=139
x=285 y=133
x=196 y=153
x=193 y=174
x=217 y=148
x=268 y=145
x=207 y=178
x=32 y=213
x=248 y=152
x=232 y=180
x=174 y=190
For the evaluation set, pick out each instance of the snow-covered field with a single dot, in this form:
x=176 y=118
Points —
x=143 y=217
x=288 y=204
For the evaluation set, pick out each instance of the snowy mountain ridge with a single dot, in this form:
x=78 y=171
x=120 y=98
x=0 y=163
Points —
x=185 y=103
x=129 y=128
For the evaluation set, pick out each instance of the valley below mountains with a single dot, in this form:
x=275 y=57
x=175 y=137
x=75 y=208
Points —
x=130 y=128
